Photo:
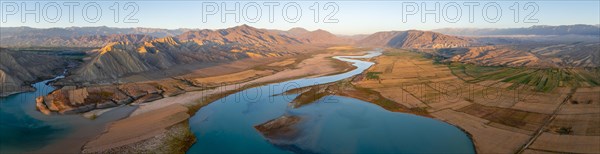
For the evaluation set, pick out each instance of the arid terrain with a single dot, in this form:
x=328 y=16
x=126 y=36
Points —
x=502 y=113
x=511 y=94
x=196 y=99
x=505 y=110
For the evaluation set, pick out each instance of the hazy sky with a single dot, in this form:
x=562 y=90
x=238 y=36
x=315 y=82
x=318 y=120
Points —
x=347 y=17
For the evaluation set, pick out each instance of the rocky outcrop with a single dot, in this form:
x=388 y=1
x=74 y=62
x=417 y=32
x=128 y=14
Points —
x=280 y=128
x=77 y=100
x=72 y=100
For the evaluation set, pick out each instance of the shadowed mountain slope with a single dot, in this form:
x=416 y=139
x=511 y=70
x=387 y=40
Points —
x=120 y=59
x=413 y=39
x=318 y=36
x=18 y=70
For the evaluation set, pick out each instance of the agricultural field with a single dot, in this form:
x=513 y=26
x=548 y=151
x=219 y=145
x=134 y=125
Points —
x=542 y=79
x=529 y=108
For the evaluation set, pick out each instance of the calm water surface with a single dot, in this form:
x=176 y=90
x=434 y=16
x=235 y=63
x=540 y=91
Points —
x=333 y=124
x=24 y=129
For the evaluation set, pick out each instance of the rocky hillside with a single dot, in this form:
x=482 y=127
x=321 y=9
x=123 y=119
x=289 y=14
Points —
x=18 y=70
x=120 y=59
x=570 y=55
x=413 y=39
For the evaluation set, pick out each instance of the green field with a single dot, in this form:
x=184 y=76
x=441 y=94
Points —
x=542 y=79
x=373 y=75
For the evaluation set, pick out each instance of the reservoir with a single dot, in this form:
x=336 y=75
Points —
x=333 y=124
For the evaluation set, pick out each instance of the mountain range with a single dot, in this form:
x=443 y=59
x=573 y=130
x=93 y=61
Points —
x=77 y=36
x=123 y=52
x=318 y=36
x=593 y=30
x=118 y=59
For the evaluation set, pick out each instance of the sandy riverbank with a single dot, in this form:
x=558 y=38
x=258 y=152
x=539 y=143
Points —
x=505 y=121
x=167 y=115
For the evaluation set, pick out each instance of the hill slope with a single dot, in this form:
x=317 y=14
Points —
x=413 y=39
x=18 y=70
x=122 y=59
x=541 y=55
x=317 y=36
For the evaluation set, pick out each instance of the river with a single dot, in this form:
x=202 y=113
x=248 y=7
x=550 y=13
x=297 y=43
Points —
x=23 y=129
x=333 y=124
x=227 y=125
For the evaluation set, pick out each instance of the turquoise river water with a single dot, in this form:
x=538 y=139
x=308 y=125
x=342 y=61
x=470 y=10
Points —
x=333 y=124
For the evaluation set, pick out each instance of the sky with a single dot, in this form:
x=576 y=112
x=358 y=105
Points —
x=340 y=17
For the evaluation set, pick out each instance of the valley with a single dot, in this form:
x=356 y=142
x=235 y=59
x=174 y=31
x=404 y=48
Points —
x=501 y=111
x=494 y=94
x=21 y=68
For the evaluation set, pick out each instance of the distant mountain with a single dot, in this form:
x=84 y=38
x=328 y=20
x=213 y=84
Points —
x=413 y=39
x=379 y=39
x=533 y=30
x=355 y=38
x=297 y=31
x=120 y=59
x=100 y=36
x=77 y=36
x=243 y=34
x=75 y=41
x=79 y=31
x=318 y=36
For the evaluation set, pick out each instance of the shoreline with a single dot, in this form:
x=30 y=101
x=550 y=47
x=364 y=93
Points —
x=195 y=100
x=491 y=126
x=28 y=86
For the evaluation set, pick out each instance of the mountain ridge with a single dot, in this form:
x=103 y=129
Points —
x=578 y=29
x=413 y=39
x=119 y=59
